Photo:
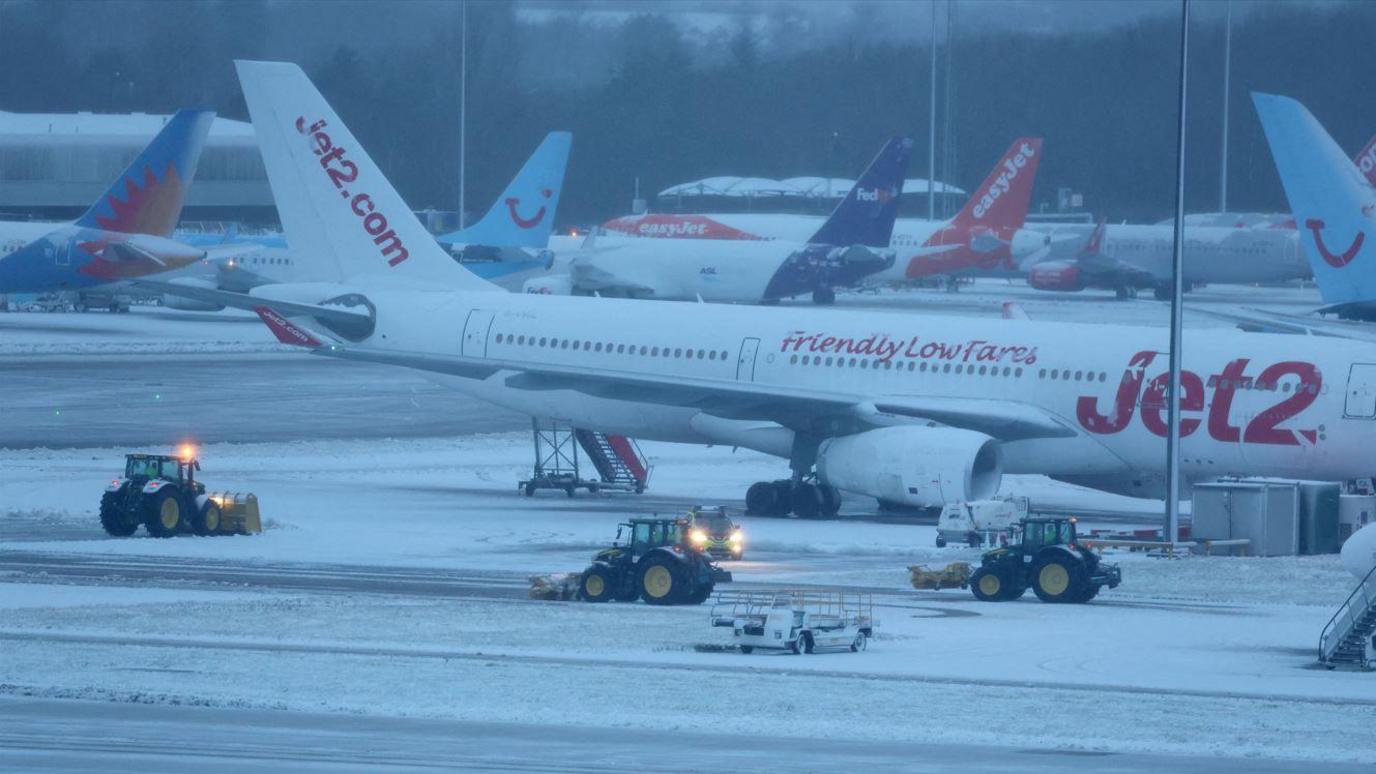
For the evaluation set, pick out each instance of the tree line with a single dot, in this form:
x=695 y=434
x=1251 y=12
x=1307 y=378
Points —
x=645 y=99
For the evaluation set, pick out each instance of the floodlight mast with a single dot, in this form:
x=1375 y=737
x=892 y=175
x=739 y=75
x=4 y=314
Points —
x=1172 y=526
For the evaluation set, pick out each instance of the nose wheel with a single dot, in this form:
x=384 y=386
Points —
x=803 y=499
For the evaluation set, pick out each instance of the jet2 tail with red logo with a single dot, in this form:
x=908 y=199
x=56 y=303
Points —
x=343 y=218
x=523 y=216
x=1332 y=202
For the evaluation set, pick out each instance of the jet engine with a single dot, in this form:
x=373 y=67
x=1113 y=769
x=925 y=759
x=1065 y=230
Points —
x=173 y=301
x=1056 y=275
x=1359 y=551
x=918 y=466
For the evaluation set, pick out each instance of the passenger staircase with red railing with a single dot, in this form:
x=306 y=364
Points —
x=619 y=463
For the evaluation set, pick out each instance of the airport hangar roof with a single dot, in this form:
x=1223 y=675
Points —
x=805 y=187
x=136 y=127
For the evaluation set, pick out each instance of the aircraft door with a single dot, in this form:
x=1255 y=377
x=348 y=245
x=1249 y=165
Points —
x=1361 y=392
x=745 y=364
x=475 y=333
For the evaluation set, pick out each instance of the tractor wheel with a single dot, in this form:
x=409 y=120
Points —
x=596 y=584
x=112 y=516
x=988 y=585
x=861 y=642
x=166 y=514
x=807 y=501
x=809 y=645
x=796 y=647
x=207 y=521
x=700 y=595
x=530 y=489
x=1013 y=590
x=1090 y=592
x=1058 y=579
x=760 y=499
x=660 y=580
x=831 y=500
x=569 y=490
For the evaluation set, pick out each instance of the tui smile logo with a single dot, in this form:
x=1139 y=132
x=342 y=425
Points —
x=532 y=221
x=1336 y=260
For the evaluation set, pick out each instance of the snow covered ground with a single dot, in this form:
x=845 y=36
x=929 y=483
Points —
x=389 y=583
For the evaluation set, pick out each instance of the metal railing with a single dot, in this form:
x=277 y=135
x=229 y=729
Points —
x=1349 y=614
x=841 y=605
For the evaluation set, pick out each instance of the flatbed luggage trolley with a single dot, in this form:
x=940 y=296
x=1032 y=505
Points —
x=796 y=621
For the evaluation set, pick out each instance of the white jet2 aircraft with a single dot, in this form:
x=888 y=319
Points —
x=914 y=410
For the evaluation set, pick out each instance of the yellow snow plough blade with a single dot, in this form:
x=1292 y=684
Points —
x=238 y=513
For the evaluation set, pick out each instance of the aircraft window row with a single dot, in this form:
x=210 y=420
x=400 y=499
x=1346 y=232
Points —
x=1247 y=383
x=889 y=365
x=681 y=353
x=1066 y=375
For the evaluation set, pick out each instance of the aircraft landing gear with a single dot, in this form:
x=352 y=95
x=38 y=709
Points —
x=803 y=499
x=1125 y=292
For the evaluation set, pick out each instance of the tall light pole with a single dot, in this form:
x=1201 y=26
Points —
x=1172 y=531
x=1227 y=84
x=463 y=108
x=931 y=131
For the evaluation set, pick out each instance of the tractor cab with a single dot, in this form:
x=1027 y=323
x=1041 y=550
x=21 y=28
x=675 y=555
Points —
x=1037 y=534
x=147 y=467
x=649 y=534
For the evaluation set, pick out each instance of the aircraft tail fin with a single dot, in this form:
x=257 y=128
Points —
x=1095 y=243
x=1366 y=161
x=336 y=206
x=1002 y=200
x=867 y=214
x=1331 y=201
x=148 y=197
x=523 y=216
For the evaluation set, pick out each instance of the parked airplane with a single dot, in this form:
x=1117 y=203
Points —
x=841 y=253
x=918 y=411
x=987 y=234
x=125 y=233
x=1126 y=258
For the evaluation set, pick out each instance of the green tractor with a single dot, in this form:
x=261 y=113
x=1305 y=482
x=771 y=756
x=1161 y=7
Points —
x=1046 y=555
x=161 y=492
x=658 y=564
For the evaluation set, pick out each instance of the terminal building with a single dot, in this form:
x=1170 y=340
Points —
x=54 y=165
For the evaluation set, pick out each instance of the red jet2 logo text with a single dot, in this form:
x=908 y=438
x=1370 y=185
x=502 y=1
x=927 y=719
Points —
x=342 y=171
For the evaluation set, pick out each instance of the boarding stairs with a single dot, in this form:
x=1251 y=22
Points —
x=619 y=464
x=1349 y=639
x=617 y=459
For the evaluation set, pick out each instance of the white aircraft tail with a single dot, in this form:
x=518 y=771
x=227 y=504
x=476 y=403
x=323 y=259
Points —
x=1331 y=201
x=344 y=221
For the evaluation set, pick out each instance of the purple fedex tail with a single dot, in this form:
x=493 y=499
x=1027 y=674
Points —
x=866 y=215
x=148 y=197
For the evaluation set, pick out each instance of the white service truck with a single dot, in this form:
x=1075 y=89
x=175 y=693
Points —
x=979 y=522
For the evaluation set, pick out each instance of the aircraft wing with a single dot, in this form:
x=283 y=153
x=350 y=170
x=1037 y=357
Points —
x=799 y=408
x=1265 y=321
x=335 y=317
